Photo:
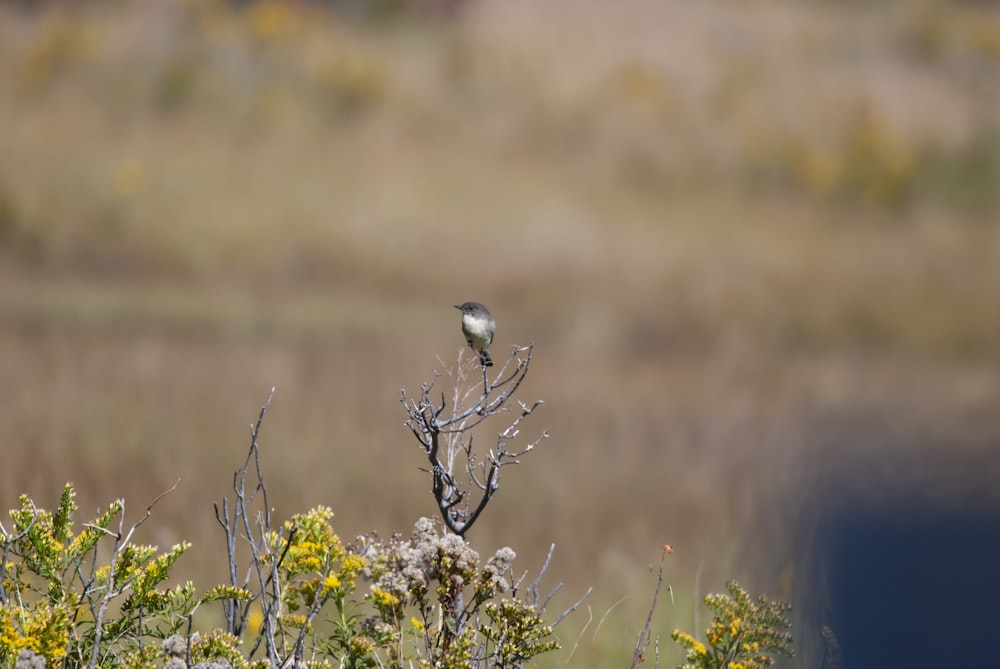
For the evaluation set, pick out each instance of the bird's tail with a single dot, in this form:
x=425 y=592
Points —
x=485 y=358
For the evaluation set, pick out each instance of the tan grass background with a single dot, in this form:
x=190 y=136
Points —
x=755 y=245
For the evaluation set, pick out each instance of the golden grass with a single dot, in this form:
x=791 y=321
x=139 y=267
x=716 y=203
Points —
x=722 y=226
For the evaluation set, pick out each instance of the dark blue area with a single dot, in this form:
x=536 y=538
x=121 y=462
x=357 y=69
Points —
x=912 y=586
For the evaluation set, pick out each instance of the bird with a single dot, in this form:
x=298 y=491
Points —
x=478 y=327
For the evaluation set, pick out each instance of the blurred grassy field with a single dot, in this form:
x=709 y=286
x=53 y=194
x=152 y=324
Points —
x=756 y=247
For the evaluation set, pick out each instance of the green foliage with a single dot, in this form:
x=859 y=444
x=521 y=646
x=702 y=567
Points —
x=69 y=599
x=61 y=602
x=516 y=632
x=743 y=635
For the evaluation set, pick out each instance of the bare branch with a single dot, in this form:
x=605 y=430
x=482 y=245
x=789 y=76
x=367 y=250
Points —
x=573 y=607
x=444 y=432
x=238 y=517
x=644 y=637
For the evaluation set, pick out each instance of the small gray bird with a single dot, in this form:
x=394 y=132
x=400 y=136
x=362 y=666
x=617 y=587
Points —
x=478 y=327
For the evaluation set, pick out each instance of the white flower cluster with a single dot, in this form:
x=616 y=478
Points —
x=29 y=659
x=496 y=570
x=405 y=568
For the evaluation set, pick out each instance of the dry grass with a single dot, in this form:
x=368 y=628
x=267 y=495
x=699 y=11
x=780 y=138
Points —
x=727 y=229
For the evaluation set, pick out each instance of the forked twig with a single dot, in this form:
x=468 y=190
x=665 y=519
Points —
x=232 y=521
x=443 y=432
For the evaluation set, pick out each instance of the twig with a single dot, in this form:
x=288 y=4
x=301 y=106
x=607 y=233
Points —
x=643 y=641
x=122 y=539
x=240 y=517
x=576 y=643
x=533 y=588
x=606 y=614
x=573 y=607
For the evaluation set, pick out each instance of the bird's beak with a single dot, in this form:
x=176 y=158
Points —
x=457 y=306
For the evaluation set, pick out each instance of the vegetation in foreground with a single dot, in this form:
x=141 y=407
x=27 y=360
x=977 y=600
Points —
x=89 y=596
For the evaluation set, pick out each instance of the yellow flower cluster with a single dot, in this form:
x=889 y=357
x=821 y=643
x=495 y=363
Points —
x=306 y=557
x=44 y=629
x=745 y=632
x=694 y=646
x=350 y=568
x=381 y=598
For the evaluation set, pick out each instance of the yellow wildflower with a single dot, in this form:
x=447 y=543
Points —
x=352 y=566
x=734 y=626
x=331 y=582
x=309 y=563
x=382 y=598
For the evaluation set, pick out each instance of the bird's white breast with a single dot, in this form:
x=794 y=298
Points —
x=477 y=327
